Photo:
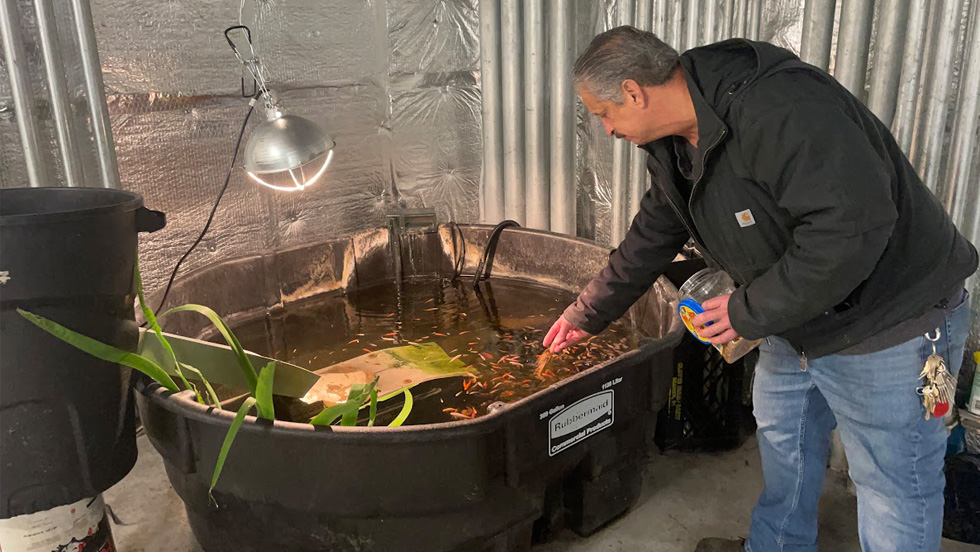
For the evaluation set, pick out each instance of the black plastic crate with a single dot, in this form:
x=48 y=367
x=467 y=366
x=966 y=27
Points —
x=704 y=410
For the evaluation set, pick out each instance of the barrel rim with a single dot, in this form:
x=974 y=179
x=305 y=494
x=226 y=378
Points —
x=128 y=201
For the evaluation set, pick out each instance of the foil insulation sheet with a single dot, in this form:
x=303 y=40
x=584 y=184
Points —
x=176 y=151
x=393 y=82
x=436 y=143
x=178 y=46
x=433 y=36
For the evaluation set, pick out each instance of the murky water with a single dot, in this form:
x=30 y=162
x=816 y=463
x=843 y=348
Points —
x=497 y=332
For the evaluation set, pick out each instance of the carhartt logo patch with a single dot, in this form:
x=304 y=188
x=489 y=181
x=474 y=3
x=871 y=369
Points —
x=745 y=218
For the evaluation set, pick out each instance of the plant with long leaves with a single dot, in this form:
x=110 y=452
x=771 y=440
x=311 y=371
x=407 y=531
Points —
x=260 y=384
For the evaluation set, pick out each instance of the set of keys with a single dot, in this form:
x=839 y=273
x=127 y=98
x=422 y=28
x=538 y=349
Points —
x=939 y=385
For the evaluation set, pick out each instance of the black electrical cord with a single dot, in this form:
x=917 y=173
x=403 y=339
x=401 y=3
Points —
x=489 y=250
x=214 y=208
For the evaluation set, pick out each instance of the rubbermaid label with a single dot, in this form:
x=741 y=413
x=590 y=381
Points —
x=580 y=421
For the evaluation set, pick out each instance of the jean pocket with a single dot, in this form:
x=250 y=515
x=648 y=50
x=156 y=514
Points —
x=963 y=304
x=957 y=331
x=773 y=345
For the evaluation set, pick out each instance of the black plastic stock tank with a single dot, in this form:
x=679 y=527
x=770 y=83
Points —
x=66 y=418
x=492 y=483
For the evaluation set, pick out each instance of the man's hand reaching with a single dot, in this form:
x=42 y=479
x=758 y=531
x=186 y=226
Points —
x=562 y=335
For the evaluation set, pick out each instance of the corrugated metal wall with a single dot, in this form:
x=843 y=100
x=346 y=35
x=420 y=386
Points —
x=394 y=82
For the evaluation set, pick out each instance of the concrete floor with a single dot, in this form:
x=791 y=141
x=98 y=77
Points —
x=685 y=497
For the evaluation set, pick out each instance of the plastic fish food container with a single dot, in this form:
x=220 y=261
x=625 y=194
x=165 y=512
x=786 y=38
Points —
x=707 y=284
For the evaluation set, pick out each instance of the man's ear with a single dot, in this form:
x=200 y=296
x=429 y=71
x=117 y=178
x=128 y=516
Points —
x=634 y=93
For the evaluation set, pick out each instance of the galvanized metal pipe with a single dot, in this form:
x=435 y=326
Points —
x=818 y=32
x=625 y=12
x=960 y=183
x=620 y=175
x=691 y=35
x=929 y=48
x=492 y=193
x=644 y=15
x=512 y=82
x=739 y=15
x=853 y=40
x=561 y=43
x=638 y=164
x=708 y=31
x=726 y=16
x=936 y=100
x=23 y=95
x=95 y=90
x=732 y=13
x=660 y=19
x=675 y=25
x=54 y=69
x=639 y=181
x=754 y=19
x=903 y=122
x=889 y=48
x=536 y=164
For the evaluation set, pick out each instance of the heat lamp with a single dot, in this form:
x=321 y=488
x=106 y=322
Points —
x=288 y=153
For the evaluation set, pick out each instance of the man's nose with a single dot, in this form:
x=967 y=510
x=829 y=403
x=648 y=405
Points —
x=609 y=129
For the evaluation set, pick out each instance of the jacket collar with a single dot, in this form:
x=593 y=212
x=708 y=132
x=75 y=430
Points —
x=711 y=129
x=715 y=73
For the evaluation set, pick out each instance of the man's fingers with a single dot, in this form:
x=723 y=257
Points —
x=714 y=302
x=563 y=334
x=560 y=344
x=573 y=336
x=715 y=329
x=725 y=337
x=552 y=333
x=708 y=316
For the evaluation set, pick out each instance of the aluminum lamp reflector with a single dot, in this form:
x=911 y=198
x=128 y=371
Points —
x=288 y=153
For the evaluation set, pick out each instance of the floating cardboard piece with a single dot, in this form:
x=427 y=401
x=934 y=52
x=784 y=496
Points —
x=396 y=368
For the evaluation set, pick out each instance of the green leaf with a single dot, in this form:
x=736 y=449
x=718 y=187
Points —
x=229 y=439
x=215 y=401
x=263 y=392
x=158 y=332
x=358 y=393
x=373 y=411
x=354 y=402
x=243 y=362
x=102 y=351
x=406 y=410
x=330 y=414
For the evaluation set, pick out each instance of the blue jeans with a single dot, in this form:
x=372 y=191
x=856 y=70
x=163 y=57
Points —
x=895 y=455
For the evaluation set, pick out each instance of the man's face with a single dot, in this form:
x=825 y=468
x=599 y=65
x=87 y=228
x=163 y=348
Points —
x=632 y=119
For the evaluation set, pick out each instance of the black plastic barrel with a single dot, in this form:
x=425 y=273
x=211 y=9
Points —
x=491 y=484
x=67 y=429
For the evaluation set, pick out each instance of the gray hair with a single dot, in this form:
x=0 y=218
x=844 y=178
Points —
x=619 y=54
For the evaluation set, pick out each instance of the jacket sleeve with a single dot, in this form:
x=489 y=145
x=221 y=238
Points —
x=653 y=240
x=823 y=171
